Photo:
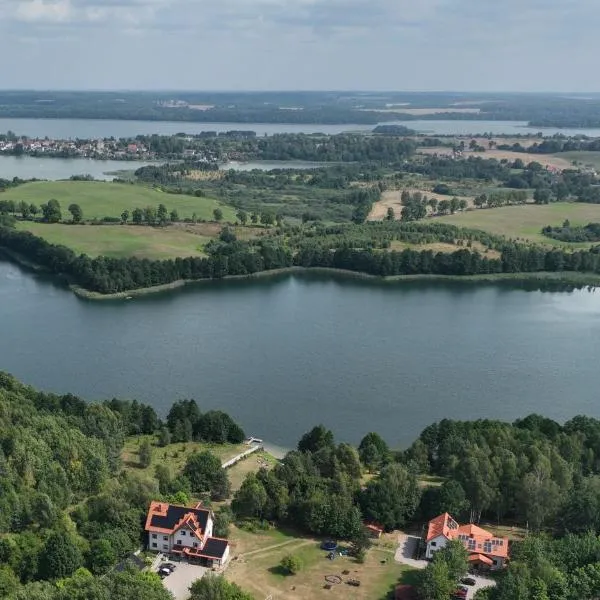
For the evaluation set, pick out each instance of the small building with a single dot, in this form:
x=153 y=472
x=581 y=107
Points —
x=486 y=551
x=374 y=530
x=186 y=533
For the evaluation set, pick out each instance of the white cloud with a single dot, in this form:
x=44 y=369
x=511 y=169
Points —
x=54 y=11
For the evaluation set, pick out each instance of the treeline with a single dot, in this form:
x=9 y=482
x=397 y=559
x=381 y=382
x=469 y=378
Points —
x=573 y=233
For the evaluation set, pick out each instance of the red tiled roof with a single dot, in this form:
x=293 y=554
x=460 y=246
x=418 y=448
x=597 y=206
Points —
x=474 y=538
x=480 y=558
x=168 y=518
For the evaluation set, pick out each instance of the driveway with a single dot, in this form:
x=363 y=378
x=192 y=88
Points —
x=179 y=581
x=481 y=582
x=407 y=548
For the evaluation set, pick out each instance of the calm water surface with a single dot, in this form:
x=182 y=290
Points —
x=282 y=355
x=89 y=128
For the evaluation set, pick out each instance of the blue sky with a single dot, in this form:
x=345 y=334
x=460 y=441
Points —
x=480 y=45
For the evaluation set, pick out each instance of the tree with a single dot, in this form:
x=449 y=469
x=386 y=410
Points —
x=541 y=195
x=150 y=215
x=250 y=500
x=435 y=582
x=254 y=218
x=137 y=216
x=392 y=498
x=124 y=216
x=33 y=209
x=456 y=557
x=218 y=214
x=242 y=216
x=102 y=556
x=174 y=216
x=216 y=587
x=24 y=209
x=222 y=521
x=444 y=206
x=61 y=556
x=390 y=216
x=267 y=218
x=76 y=213
x=145 y=454
x=205 y=474
x=373 y=451
x=51 y=211
x=162 y=215
x=316 y=439
x=291 y=564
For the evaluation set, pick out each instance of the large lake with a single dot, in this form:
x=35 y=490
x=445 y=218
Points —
x=88 y=128
x=284 y=354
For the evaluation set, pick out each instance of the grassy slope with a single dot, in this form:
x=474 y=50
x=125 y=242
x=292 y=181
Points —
x=102 y=199
x=526 y=221
x=586 y=158
x=120 y=241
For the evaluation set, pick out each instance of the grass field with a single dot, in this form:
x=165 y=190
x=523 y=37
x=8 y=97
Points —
x=122 y=240
x=102 y=199
x=237 y=473
x=173 y=455
x=526 y=221
x=591 y=159
x=256 y=568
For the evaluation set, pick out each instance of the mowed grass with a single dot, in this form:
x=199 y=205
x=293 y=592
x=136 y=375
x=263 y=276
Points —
x=591 y=159
x=256 y=568
x=526 y=221
x=100 y=199
x=119 y=241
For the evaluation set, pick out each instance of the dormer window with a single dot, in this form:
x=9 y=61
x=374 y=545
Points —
x=183 y=533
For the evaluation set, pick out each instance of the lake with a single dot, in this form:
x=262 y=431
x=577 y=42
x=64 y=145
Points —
x=28 y=167
x=281 y=355
x=91 y=129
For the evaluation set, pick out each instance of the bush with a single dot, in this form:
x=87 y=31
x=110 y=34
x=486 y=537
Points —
x=291 y=564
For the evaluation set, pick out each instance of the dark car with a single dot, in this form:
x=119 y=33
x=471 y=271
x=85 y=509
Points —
x=468 y=581
x=170 y=566
x=162 y=572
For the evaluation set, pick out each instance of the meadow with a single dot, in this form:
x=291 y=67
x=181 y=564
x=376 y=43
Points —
x=100 y=199
x=118 y=241
x=526 y=221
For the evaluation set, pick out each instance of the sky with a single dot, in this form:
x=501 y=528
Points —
x=405 y=45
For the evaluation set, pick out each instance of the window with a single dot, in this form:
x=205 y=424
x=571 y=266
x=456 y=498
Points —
x=154 y=545
x=165 y=546
x=183 y=533
x=434 y=543
x=195 y=544
x=154 y=536
x=179 y=542
x=165 y=537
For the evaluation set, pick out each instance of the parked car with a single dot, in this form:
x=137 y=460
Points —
x=461 y=592
x=169 y=566
x=162 y=572
x=468 y=581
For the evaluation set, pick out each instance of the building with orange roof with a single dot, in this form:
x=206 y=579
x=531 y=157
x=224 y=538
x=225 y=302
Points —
x=485 y=549
x=185 y=532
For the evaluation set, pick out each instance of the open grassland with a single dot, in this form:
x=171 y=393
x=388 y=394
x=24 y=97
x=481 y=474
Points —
x=587 y=159
x=256 y=568
x=173 y=455
x=118 y=241
x=237 y=473
x=526 y=221
x=100 y=199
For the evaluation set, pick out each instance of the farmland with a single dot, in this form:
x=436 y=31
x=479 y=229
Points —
x=526 y=221
x=101 y=199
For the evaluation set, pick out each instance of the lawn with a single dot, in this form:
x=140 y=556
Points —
x=585 y=158
x=118 y=241
x=173 y=455
x=102 y=199
x=237 y=473
x=526 y=221
x=257 y=570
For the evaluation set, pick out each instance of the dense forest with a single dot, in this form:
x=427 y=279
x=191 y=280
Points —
x=68 y=511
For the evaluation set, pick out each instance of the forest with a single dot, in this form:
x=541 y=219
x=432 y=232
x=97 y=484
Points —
x=573 y=233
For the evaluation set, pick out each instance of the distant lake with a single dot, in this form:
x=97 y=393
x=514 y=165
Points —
x=281 y=355
x=89 y=128
x=28 y=167
x=271 y=165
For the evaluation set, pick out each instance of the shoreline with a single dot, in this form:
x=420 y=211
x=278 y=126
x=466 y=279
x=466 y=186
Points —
x=567 y=278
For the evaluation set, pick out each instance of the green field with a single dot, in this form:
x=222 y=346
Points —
x=102 y=199
x=591 y=159
x=526 y=221
x=119 y=241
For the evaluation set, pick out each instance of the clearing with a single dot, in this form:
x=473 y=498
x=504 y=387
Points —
x=587 y=159
x=100 y=199
x=256 y=568
x=118 y=241
x=526 y=221
x=392 y=198
x=173 y=455
x=237 y=473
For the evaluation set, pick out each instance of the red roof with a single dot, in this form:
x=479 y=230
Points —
x=480 y=558
x=475 y=539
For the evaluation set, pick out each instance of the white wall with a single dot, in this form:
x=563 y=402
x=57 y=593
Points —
x=440 y=542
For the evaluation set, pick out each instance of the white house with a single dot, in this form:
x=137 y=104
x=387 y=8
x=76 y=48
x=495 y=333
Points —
x=185 y=532
x=486 y=551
